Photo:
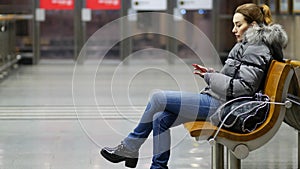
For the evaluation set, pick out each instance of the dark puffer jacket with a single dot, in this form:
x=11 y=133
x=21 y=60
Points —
x=247 y=63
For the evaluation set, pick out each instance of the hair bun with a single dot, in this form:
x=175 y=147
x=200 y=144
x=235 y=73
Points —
x=266 y=13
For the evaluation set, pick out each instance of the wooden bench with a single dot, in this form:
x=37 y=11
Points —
x=239 y=145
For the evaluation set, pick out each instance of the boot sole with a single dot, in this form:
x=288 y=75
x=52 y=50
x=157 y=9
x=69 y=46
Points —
x=129 y=162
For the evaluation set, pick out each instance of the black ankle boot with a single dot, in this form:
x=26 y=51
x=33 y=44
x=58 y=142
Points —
x=120 y=153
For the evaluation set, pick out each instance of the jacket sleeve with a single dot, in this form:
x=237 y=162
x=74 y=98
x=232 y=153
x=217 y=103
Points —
x=247 y=79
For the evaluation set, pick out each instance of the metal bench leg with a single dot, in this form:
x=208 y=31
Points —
x=232 y=161
x=217 y=156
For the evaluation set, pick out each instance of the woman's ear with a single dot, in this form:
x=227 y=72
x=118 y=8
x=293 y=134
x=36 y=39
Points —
x=254 y=23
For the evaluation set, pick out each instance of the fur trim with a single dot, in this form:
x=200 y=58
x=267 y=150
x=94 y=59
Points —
x=272 y=35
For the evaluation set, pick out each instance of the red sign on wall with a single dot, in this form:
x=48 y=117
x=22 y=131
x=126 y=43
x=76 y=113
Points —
x=57 y=4
x=103 y=4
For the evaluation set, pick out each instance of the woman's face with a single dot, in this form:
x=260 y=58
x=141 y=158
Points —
x=240 y=25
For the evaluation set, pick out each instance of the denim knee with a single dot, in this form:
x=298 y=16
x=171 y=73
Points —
x=158 y=98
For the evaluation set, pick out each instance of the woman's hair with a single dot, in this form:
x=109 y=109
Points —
x=252 y=12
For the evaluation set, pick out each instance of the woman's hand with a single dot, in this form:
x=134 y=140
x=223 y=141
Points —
x=199 y=70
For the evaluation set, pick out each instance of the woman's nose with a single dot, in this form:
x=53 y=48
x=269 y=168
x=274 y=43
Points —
x=234 y=30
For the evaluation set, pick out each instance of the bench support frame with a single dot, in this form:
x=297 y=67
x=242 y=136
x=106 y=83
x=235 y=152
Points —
x=232 y=161
x=217 y=157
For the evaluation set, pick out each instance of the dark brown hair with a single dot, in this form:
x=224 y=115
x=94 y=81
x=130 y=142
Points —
x=252 y=12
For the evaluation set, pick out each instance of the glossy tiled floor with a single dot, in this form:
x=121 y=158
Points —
x=41 y=129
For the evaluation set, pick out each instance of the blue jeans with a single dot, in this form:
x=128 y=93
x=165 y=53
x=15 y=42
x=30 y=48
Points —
x=167 y=109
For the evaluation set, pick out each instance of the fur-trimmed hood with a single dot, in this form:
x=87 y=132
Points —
x=274 y=36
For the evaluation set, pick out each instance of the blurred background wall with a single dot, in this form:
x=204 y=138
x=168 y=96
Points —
x=57 y=32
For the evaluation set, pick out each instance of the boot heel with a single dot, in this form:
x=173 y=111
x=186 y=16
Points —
x=131 y=162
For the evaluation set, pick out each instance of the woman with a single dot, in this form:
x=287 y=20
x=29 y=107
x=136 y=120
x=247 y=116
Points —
x=258 y=42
